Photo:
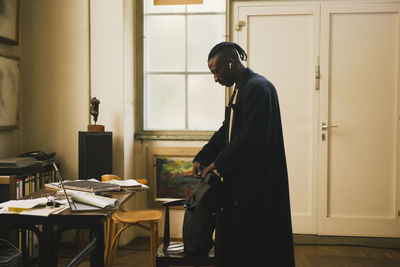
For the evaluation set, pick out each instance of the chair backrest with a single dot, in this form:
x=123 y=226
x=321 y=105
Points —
x=109 y=177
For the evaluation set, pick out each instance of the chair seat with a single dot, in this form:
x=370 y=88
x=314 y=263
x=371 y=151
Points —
x=137 y=216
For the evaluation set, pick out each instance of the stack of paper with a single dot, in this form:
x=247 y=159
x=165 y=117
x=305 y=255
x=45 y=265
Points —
x=126 y=183
x=36 y=206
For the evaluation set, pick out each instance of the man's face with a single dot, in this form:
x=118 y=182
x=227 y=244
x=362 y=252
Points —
x=221 y=73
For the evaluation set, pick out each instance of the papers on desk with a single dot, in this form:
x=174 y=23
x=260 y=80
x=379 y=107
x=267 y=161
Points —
x=129 y=183
x=94 y=200
x=38 y=206
x=44 y=211
x=35 y=207
x=90 y=199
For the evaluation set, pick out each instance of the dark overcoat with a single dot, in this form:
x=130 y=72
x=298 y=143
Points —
x=256 y=227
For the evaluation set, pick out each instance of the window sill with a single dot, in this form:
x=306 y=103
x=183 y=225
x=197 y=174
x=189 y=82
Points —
x=174 y=136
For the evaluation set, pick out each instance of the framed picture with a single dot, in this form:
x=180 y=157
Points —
x=9 y=92
x=171 y=173
x=9 y=21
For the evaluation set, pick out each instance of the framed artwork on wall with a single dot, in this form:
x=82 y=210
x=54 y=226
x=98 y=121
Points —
x=9 y=92
x=170 y=171
x=9 y=21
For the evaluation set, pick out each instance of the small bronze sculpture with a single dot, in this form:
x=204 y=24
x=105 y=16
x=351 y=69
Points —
x=94 y=108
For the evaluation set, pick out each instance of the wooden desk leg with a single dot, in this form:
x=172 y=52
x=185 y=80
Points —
x=97 y=257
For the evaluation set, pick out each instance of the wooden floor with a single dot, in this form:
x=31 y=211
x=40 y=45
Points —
x=136 y=254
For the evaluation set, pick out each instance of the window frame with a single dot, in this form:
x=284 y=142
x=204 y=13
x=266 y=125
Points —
x=140 y=132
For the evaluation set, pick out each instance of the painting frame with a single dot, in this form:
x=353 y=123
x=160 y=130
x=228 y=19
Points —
x=158 y=159
x=9 y=92
x=9 y=19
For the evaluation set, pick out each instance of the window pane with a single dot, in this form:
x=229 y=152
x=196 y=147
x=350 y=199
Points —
x=149 y=7
x=204 y=31
x=164 y=43
x=206 y=103
x=208 y=6
x=165 y=102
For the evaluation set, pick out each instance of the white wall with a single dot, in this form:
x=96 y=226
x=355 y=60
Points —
x=54 y=78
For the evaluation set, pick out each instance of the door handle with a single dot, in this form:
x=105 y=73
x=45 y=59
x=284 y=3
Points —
x=326 y=127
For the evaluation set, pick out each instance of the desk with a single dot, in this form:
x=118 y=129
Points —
x=47 y=238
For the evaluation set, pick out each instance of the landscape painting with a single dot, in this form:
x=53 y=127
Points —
x=171 y=173
x=175 y=177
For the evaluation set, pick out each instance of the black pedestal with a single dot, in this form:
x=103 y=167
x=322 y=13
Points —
x=95 y=154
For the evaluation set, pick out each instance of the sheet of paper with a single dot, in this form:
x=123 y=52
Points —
x=126 y=183
x=43 y=211
x=22 y=204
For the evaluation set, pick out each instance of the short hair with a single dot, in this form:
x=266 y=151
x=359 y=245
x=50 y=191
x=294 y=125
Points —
x=227 y=45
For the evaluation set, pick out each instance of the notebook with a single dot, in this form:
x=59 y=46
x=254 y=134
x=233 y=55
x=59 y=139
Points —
x=90 y=186
x=73 y=205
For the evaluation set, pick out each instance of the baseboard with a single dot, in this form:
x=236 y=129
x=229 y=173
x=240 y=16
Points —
x=378 y=242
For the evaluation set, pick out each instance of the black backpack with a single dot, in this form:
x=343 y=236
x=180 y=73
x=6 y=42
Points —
x=199 y=220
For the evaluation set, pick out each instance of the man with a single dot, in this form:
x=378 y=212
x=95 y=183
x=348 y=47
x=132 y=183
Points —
x=248 y=152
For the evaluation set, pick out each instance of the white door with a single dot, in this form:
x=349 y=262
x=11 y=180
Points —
x=359 y=159
x=282 y=43
x=343 y=180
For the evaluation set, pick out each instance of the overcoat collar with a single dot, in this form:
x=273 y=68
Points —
x=245 y=78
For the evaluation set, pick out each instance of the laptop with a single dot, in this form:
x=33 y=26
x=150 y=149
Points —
x=73 y=205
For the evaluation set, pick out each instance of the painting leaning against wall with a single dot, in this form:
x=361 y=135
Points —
x=170 y=171
x=175 y=177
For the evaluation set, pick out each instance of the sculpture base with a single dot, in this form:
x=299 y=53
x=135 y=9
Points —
x=95 y=128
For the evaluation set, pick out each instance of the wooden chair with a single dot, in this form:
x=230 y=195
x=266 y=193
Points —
x=146 y=219
x=165 y=258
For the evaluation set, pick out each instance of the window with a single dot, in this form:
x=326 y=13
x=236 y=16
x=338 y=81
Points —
x=179 y=93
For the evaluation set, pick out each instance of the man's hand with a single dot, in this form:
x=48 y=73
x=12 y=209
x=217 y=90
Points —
x=208 y=169
x=197 y=169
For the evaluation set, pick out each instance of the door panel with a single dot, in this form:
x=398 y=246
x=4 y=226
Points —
x=282 y=44
x=359 y=90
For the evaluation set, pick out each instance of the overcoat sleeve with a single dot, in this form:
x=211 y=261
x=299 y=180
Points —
x=210 y=151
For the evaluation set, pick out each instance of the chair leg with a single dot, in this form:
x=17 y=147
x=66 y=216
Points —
x=156 y=241
x=113 y=230
x=114 y=244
